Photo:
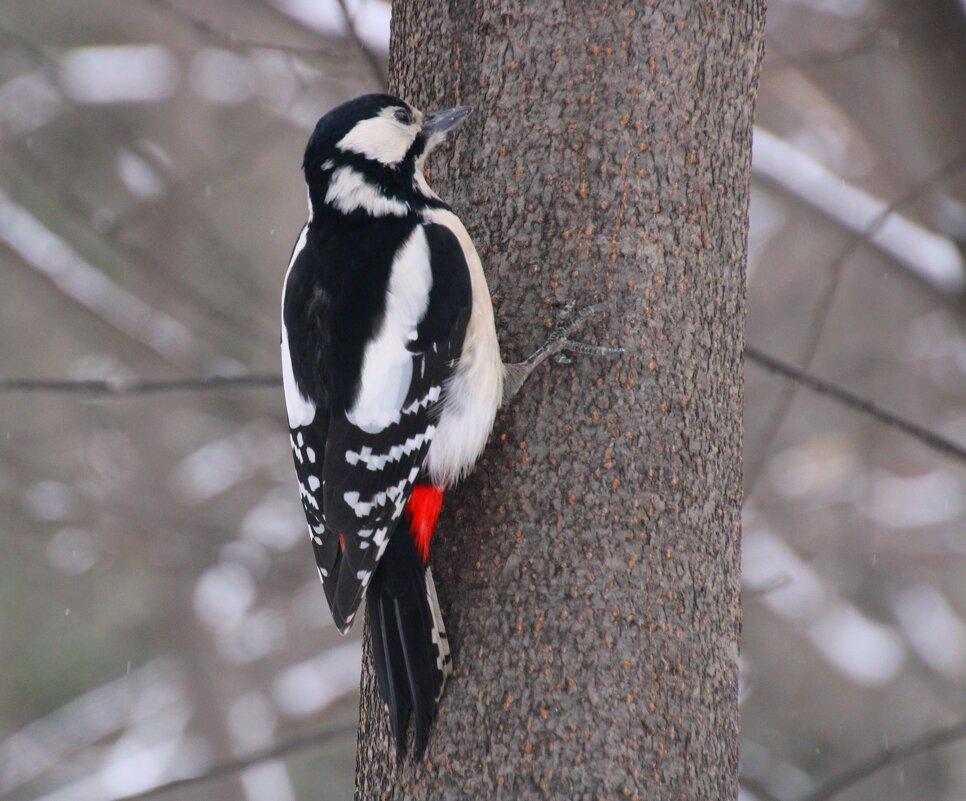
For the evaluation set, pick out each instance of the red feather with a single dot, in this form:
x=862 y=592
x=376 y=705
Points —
x=423 y=511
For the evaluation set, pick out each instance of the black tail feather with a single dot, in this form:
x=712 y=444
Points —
x=420 y=673
x=390 y=673
x=404 y=653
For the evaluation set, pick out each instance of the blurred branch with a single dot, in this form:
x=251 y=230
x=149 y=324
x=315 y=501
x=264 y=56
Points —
x=865 y=43
x=112 y=125
x=229 y=38
x=382 y=79
x=52 y=256
x=148 y=386
x=234 y=766
x=823 y=306
x=213 y=175
x=210 y=307
x=757 y=789
x=108 y=126
x=887 y=756
x=231 y=41
x=66 y=732
x=932 y=259
x=847 y=398
x=120 y=387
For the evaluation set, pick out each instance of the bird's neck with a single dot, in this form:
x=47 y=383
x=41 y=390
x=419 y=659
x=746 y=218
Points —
x=346 y=193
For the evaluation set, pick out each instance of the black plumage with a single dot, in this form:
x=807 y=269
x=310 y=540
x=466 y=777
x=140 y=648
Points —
x=358 y=269
x=334 y=302
x=401 y=623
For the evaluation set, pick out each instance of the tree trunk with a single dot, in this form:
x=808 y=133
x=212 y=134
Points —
x=588 y=570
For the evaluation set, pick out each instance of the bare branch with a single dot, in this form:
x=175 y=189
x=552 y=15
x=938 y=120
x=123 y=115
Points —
x=382 y=80
x=865 y=43
x=847 y=398
x=887 y=756
x=228 y=38
x=930 y=258
x=234 y=766
x=813 y=336
x=48 y=254
x=148 y=386
x=127 y=387
x=196 y=182
x=757 y=789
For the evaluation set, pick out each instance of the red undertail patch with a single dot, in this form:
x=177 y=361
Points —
x=423 y=511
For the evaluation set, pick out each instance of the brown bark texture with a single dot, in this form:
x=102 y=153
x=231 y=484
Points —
x=588 y=570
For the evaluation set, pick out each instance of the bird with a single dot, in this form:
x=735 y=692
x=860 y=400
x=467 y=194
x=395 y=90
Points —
x=392 y=378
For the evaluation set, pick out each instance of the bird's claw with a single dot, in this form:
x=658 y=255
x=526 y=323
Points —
x=590 y=350
x=557 y=344
x=567 y=310
x=560 y=340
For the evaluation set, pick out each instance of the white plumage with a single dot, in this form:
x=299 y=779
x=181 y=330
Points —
x=349 y=190
x=301 y=410
x=387 y=364
x=475 y=390
x=401 y=364
x=380 y=138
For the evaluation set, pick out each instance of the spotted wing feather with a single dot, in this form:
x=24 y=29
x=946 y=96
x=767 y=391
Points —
x=355 y=483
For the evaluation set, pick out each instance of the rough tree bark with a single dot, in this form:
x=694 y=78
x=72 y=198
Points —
x=589 y=569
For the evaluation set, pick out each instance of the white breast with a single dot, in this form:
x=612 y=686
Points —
x=475 y=390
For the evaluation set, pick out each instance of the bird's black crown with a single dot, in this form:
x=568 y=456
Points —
x=365 y=158
x=337 y=123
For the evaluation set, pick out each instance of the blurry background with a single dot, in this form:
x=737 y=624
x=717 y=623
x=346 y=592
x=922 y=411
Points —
x=160 y=610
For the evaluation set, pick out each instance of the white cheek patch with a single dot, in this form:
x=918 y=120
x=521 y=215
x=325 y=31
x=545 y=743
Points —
x=381 y=138
x=349 y=190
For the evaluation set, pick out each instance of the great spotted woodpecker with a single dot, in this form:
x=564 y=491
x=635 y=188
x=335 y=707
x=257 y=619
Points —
x=392 y=377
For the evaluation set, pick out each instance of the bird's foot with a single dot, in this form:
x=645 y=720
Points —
x=557 y=344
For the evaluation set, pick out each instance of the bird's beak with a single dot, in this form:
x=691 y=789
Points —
x=437 y=123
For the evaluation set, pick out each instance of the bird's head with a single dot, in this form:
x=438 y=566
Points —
x=367 y=155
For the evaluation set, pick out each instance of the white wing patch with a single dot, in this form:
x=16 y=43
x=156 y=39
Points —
x=301 y=411
x=387 y=366
x=349 y=190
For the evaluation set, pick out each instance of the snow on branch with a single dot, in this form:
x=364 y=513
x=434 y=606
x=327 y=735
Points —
x=930 y=257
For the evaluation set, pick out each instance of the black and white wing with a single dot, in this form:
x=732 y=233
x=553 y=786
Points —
x=357 y=466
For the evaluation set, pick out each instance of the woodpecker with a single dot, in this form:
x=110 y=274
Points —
x=392 y=376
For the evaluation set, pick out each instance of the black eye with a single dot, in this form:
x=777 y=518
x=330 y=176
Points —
x=403 y=116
